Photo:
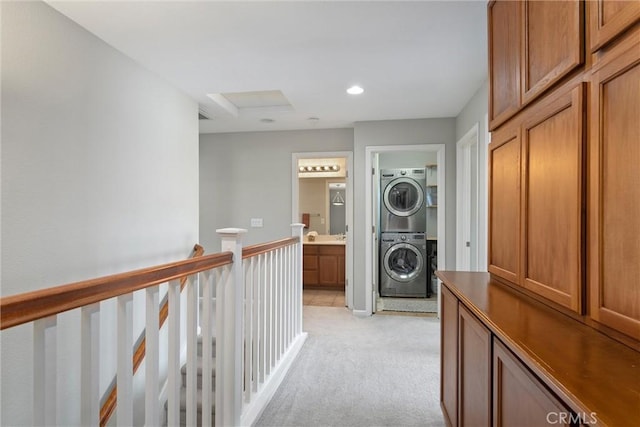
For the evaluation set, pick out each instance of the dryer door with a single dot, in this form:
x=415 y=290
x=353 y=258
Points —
x=403 y=197
x=403 y=262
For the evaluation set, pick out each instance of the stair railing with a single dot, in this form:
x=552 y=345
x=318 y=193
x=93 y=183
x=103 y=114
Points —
x=258 y=323
x=110 y=398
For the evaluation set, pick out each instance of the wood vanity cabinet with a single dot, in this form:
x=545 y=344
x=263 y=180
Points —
x=323 y=265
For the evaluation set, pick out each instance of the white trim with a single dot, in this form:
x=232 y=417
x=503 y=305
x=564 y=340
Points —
x=370 y=151
x=361 y=313
x=463 y=195
x=257 y=406
x=295 y=212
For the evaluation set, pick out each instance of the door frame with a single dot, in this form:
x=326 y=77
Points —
x=370 y=232
x=464 y=216
x=295 y=210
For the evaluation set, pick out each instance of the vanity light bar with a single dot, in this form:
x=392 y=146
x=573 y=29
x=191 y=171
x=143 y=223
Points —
x=320 y=168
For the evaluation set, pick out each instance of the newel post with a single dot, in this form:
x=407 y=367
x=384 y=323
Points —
x=297 y=230
x=229 y=332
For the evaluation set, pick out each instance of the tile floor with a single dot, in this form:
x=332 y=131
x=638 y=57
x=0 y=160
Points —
x=322 y=297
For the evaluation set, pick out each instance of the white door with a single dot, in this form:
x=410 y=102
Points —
x=467 y=225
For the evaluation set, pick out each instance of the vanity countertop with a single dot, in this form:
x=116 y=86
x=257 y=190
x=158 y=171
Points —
x=324 y=239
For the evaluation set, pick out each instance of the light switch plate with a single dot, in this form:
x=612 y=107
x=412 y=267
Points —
x=256 y=222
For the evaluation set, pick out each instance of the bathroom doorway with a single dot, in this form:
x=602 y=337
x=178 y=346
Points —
x=322 y=200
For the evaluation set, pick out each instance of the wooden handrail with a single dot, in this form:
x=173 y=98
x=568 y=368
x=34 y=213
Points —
x=140 y=350
x=27 y=307
x=259 y=249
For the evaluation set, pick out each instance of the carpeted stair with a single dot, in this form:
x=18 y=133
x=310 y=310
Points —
x=183 y=389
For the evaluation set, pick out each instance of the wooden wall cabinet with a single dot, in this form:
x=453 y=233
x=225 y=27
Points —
x=504 y=29
x=614 y=189
x=323 y=265
x=519 y=398
x=449 y=357
x=504 y=203
x=552 y=44
x=552 y=170
x=610 y=18
x=532 y=46
x=474 y=370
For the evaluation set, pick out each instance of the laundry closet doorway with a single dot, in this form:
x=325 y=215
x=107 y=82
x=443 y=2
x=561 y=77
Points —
x=431 y=157
x=322 y=199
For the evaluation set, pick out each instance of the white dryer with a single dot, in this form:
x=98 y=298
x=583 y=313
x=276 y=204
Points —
x=402 y=195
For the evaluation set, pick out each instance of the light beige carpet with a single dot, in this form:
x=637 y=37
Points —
x=374 y=371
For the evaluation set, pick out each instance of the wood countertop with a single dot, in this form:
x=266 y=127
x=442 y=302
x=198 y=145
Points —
x=588 y=370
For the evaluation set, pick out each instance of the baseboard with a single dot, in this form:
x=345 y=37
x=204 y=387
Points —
x=361 y=313
x=253 y=412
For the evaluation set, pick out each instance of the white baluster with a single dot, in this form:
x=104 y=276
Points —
x=248 y=329
x=44 y=371
x=255 y=327
x=221 y=376
x=207 y=333
x=232 y=329
x=124 y=375
x=173 y=375
x=90 y=364
x=262 y=271
x=152 y=358
x=269 y=313
x=192 y=337
x=297 y=230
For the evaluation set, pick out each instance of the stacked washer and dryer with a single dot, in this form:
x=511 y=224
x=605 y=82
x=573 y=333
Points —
x=403 y=225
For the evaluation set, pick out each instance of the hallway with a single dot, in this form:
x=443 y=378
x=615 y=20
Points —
x=323 y=297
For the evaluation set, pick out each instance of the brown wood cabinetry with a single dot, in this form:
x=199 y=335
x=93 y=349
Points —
x=504 y=60
x=552 y=44
x=614 y=182
x=556 y=221
x=449 y=357
x=609 y=18
x=552 y=137
x=504 y=203
x=323 y=265
x=522 y=363
x=519 y=398
x=532 y=46
x=474 y=371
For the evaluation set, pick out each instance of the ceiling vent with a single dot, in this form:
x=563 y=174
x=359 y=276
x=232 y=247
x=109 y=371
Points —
x=203 y=115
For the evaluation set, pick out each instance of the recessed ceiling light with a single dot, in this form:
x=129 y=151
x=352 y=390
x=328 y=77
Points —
x=355 y=90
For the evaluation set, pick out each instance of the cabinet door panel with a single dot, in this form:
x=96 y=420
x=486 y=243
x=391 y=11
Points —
x=552 y=44
x=609 y=18
x=504 y=60
x=553 y=164
x=474 y=370
x=328 y=269
x=519 y=399
x=449 y=357
x=614 y=171
x=504 y=204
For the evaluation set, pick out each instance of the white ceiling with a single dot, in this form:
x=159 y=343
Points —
x=414 y=59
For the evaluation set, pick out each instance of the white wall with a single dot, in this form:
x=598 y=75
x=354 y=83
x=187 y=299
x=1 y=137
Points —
x=248 y=175
x=397 y=132
x=99 y=175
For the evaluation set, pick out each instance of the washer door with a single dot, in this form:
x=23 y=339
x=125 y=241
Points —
x=403 y=197
x=403 y=262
